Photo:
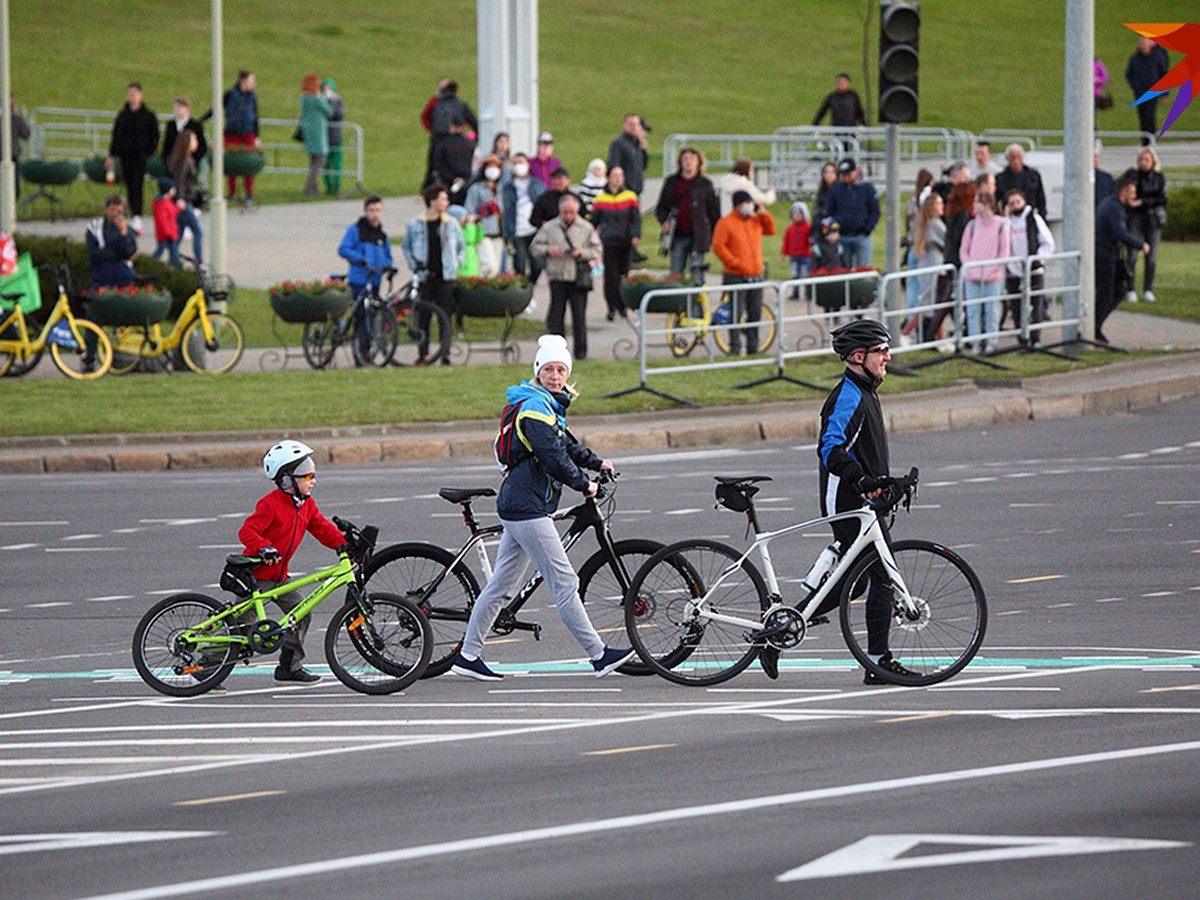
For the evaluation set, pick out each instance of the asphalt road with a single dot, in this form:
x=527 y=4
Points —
x=1061 y=763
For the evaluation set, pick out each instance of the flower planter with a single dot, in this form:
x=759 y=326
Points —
x=45 y=171
x=94 y=169
x=304 y=307
x=115 y=308
x=492 y=303
x=156 y=168
x=632 y=293
x=832 y=294
x=244 y=163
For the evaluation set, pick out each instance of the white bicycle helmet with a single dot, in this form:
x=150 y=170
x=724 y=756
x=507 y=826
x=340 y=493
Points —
x=284 y=458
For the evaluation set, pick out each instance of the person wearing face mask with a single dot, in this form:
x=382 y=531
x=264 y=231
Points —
x=483 y=206
x=737 y=242
x=518 y=193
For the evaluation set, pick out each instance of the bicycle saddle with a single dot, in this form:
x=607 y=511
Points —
x=462 y=495
x=742 y=479
x=13 y=297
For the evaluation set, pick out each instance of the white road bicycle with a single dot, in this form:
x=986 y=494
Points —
x=699 y=612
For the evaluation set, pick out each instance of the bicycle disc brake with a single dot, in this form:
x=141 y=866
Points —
x=265 y=635
x=913 y=620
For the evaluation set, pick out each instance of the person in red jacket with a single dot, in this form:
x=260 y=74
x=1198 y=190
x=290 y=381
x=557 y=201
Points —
x=274 y=531
x=737 y=242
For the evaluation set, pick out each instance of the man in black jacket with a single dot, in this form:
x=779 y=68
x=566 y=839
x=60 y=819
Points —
x=1111 y=232
x=1148 y=63
x=183 y=121
x=545 y=207
x=628 y=152
x=452 y=161
x=134 y=140
x=1019 y=176
x=844 y=108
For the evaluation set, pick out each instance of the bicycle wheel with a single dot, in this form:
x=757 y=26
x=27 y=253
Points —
x=682 y=342
x=671 y=607
x=423 y=574
x=130 y=343
x=945 y=632
x=319 y=341
x=379 y=646
x=70 y=360
x=416 y=326
x=375 y=336
x=172 y=666
x=766 y=331
x=602 y=588
x=218 y=355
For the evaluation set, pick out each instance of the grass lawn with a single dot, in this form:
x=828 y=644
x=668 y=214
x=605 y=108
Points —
x=1175 y=283
x=687 y=66
x=186 y=403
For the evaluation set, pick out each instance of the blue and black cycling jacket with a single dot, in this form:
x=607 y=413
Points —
x=853 y=442
x=533 y=486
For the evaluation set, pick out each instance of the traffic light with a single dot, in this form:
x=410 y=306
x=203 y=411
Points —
x=899 y=28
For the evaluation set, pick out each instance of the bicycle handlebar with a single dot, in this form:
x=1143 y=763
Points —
x=897 y=492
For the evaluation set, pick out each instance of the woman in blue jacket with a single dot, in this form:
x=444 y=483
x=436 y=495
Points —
x=545 y=457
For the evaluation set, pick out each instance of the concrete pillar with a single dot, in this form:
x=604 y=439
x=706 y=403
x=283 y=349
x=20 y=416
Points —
x=218 y=224
x=508 y=72
x=1079 y=177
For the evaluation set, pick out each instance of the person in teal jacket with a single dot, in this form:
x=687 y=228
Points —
x=315 y=113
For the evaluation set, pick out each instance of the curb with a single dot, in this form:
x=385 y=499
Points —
x=1118 y=388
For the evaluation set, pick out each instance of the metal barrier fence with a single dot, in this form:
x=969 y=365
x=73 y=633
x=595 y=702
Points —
x=74 y=134
x=1039 y=306
x=790 y=158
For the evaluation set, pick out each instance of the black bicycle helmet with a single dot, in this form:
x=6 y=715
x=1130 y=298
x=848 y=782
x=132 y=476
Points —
x=856 y=334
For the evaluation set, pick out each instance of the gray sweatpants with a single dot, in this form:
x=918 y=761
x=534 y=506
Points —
x=539 y=539
x=291 y=651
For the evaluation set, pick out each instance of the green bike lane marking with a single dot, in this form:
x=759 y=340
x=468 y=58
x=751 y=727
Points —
x=575 y=668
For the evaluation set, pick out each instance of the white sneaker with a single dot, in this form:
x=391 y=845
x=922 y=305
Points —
x=1131 y=297
x=136 y=224
x=1149 y=297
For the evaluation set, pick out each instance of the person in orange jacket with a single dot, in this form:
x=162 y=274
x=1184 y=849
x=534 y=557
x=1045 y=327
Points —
x=737 y=242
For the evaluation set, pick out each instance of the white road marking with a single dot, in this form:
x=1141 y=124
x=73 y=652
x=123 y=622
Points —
x=28 y=843
x=80 y=537
x=682 y=512
x=84 y=549
x=624 y=823
x=108 y=598
x=19 y=546
x=883 y=852
x=34 y=524
x=47 y=605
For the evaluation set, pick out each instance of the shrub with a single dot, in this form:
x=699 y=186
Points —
x=1183 y=215
x=48 y=251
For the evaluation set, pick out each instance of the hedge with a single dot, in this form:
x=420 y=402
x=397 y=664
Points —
x=48 y=251
x=1183 y=214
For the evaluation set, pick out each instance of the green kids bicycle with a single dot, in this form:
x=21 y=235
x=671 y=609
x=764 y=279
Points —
x=377 y=643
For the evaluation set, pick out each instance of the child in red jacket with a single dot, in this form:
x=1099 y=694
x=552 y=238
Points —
x=274 y=531
x=797 y=243
x=166 y=226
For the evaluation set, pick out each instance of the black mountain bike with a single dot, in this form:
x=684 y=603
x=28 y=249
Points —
x=441 y=584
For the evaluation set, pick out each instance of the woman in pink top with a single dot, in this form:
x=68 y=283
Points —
x=985 y=238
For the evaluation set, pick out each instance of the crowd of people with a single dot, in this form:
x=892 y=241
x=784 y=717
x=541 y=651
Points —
x=982 y=212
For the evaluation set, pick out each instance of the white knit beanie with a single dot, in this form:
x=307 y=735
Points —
x=551 y=348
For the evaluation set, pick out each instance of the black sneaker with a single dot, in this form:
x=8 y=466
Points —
x=889 y=664
x=768 y=658
x=295 y=676
x=611 y=659
x=473 y=668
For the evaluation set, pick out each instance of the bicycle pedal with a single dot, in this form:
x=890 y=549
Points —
x=537 y=631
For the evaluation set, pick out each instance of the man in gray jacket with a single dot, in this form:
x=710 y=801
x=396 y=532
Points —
x=570 y=246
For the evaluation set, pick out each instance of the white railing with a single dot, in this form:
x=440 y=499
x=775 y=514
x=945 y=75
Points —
x=803 y=331
x=75 y=134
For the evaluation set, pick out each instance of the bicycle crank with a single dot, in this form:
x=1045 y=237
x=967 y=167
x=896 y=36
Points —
x=783 y=628
x=265 y=635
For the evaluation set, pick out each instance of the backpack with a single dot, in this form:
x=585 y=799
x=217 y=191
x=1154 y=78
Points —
x=509 y=447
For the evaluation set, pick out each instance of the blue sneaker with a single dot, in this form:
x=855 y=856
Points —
x=611 y=659
x=473 y=668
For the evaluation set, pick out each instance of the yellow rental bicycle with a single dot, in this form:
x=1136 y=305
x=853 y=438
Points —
x=79 y=348
x=210 y=342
